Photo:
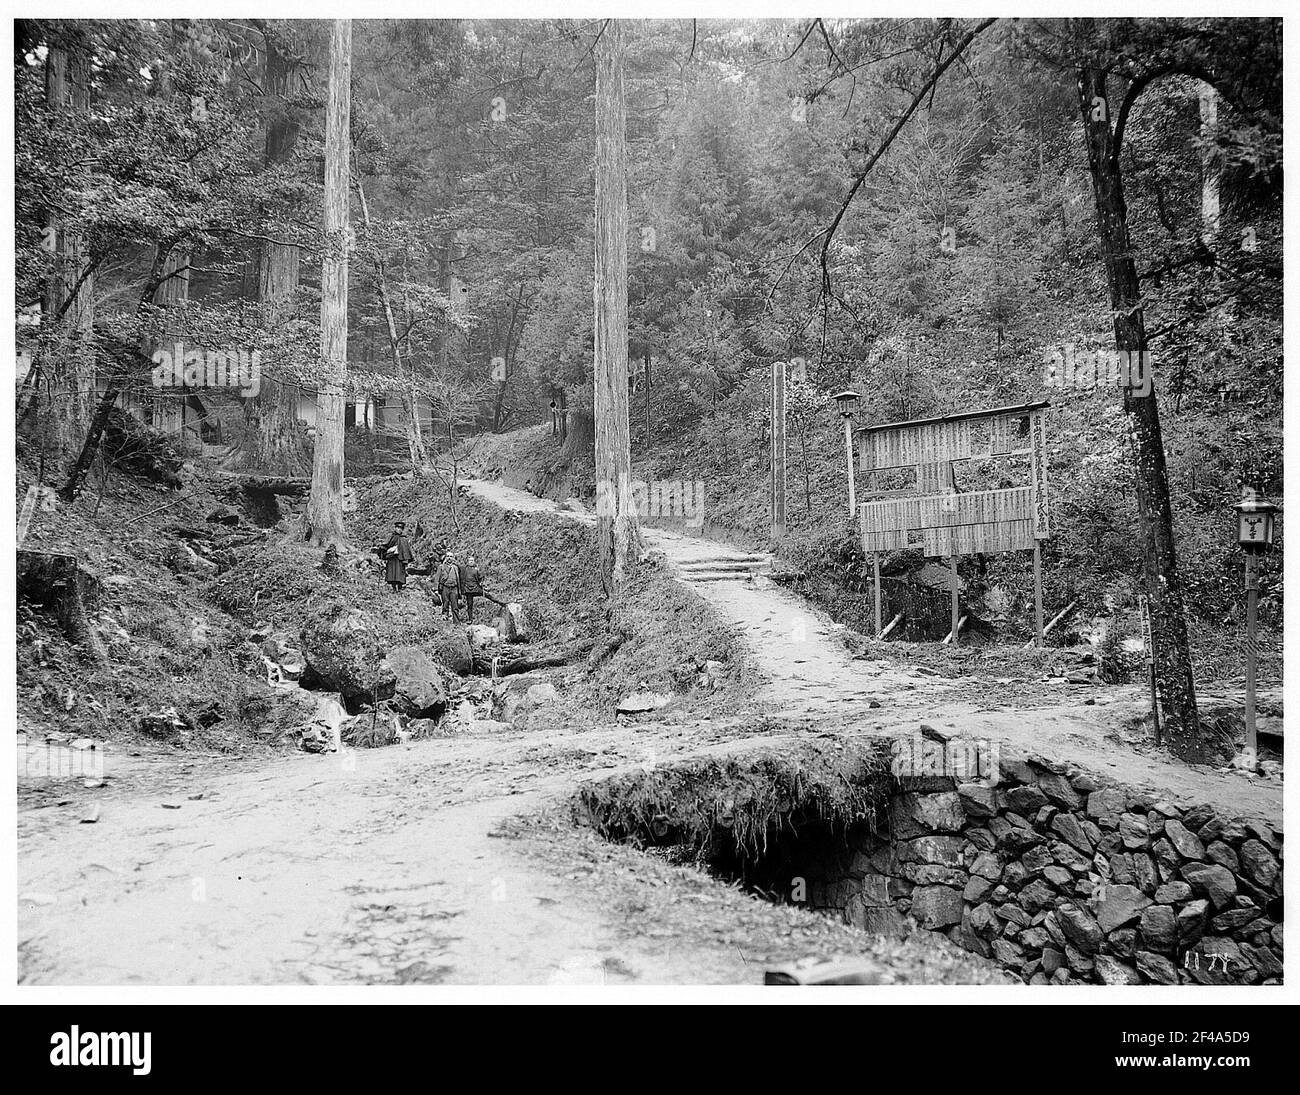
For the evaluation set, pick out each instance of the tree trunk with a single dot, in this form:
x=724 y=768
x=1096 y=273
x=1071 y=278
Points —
x=618 y=530
x=325 y=504
x=1172 y=653
x=72 y=375
x=279 y=438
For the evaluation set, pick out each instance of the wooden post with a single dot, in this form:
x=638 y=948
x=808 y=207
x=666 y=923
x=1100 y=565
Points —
x=848 y=449
x=956 y=616
x=1252 y=618
x=778 y=448
x=1038 y=592
x=875 y=574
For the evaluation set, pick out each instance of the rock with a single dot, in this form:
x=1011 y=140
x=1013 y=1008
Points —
x=293 y=664
x=1014 y=914
x=930 y=874
x=545 y=692
x=1220 y=853
x=419 y=691
x=1034 y=938
x=1165 y=855
x=183 y=559
x=1106 y=804
x=513 y=629
x=1259 y=863
x=1116 y=905
x=982 y=839
x=1085 y=784
x=1157 y=968
x=886 y=921
x=1191 y=921
x=987 y=866
x=1167 y=809
x=1058 y=789
x=1070 y=858
x=983 y=921
x=1038 y=895
x=1159 y=928
x=1078 y=961
x=224 y=515
x=1053 y=960
x=1122 y=942
x=1214 y=881
x=1184 y=842
x=977 y=889
x=1145 y=876
x=91 y=815
x=1228 y=922
x=1263 y=959
x=339 y=644
x=977 y=800
x=481 y=636
x=936 y=906
x=1173 y=893
x=1079 y=928
x=638 y=703
x=1044 y=817
x=1133 y=831
x=1264 y=833
x=912 y=815
x=1058 y=876
x=1036 y=859
x=1015 y=875
x=1026 y=800
x=1121 y=869
x=1111 y=971
x=944 y=850
x=161 y=724
x=1007 y=952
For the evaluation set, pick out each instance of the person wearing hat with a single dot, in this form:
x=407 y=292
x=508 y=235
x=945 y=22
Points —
x=397 y=553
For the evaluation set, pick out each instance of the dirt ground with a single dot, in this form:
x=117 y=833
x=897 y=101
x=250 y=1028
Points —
x=409 y=864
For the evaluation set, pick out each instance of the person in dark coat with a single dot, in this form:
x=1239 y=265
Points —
x=471 y=585
x=397 y=553
x=449 y=587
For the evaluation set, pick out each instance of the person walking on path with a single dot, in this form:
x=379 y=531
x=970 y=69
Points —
x=449 y=587
x=471 y=585
x=397 y=553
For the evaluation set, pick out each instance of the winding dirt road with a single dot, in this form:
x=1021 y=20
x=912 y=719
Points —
x=388 y=866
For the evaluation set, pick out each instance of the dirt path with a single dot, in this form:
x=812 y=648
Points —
x=810 y=671
x=387 y=866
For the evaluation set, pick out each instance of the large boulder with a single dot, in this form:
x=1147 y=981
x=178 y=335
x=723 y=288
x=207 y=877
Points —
x=420 y=691
x=343 y=656
x=513 y=628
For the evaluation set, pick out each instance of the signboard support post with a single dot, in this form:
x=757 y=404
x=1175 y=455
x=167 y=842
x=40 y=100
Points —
x=956 y=617
x=1252 y=621
x=1038 y=592
x=778 y=448
x=875 y=575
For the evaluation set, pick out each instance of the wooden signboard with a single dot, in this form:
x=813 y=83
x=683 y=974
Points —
x=914 y=501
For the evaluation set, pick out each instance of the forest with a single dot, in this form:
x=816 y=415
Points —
x=915 y=209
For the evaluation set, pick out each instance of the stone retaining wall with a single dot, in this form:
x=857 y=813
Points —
x=1063 y=880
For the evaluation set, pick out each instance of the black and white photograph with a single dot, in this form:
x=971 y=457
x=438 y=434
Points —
x=624 y=504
